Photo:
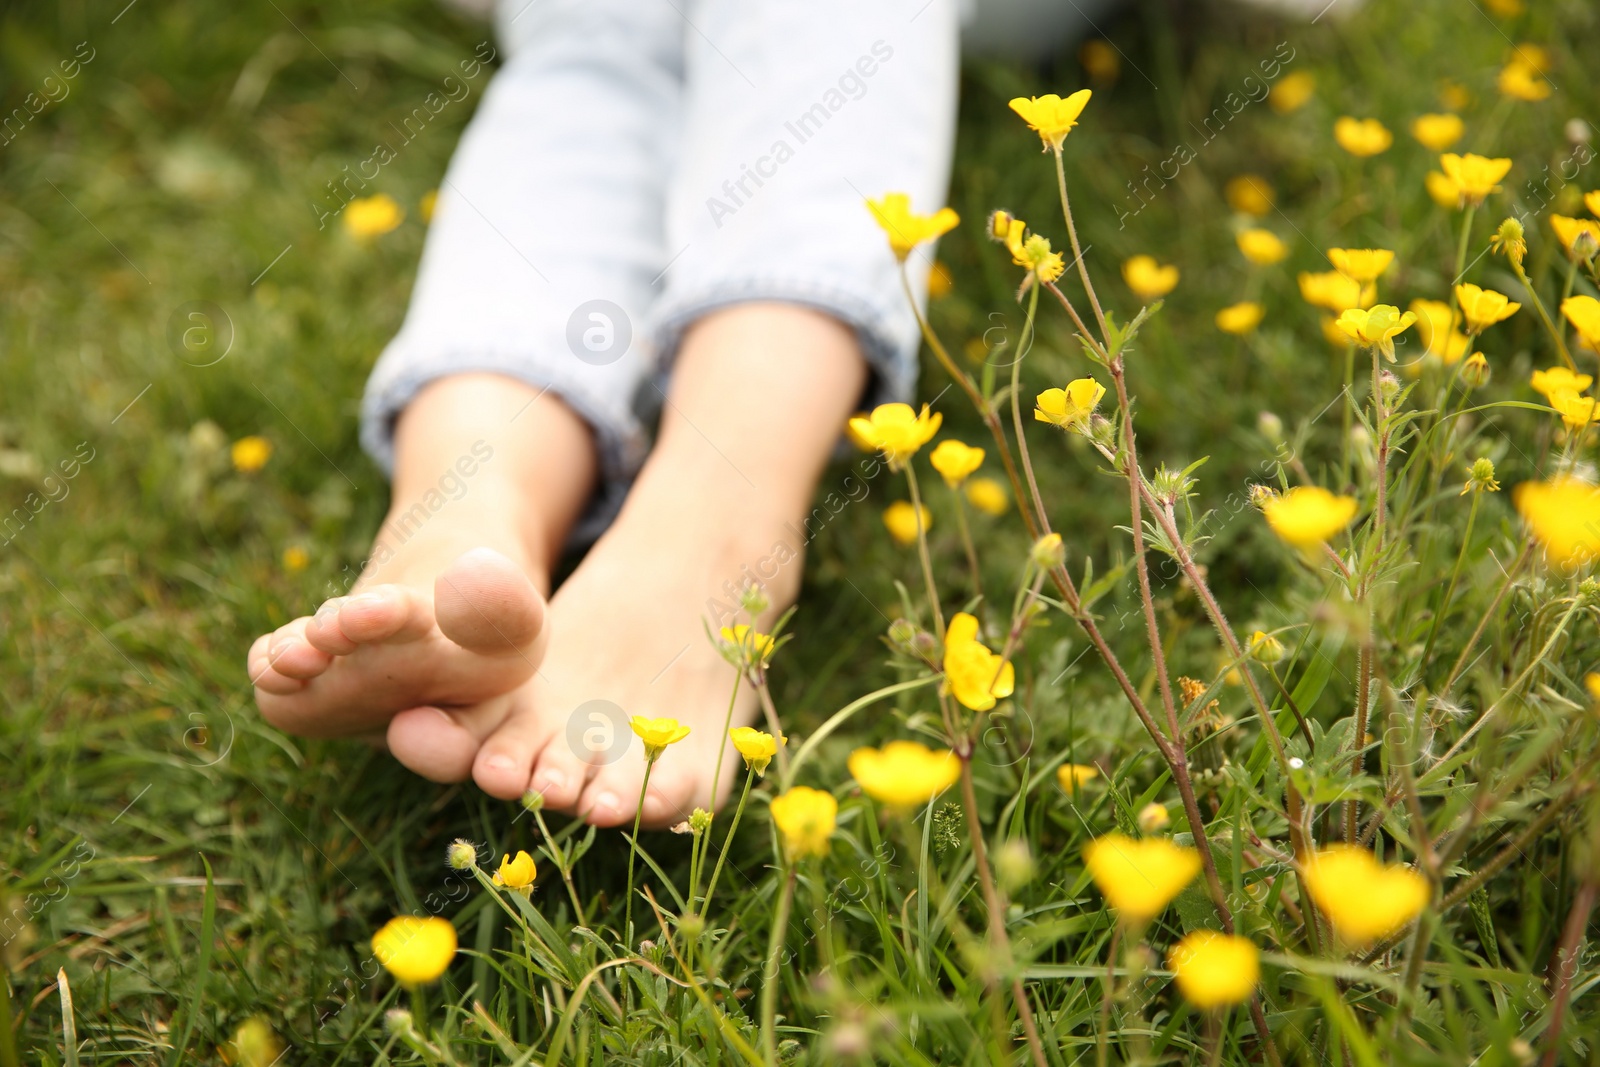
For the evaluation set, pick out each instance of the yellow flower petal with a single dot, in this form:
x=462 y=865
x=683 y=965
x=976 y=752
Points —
x=1306 y=516
x=414 y=949
x=904 y=774
x=1051 y=117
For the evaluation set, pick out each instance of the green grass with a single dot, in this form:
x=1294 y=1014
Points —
x=181 y=165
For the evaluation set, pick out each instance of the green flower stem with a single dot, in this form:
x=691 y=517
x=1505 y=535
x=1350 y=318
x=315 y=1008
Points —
x=922 y=551
x=1023 y=344
x=966 y=540
x=1077 y=252
x=633 y=850
x=1461 y=255
x=769 y=973
x=1544 y=316
x=727 y=722
x=1455 y=574
x=716 y=872
x=1107 y=992
x=562 y=865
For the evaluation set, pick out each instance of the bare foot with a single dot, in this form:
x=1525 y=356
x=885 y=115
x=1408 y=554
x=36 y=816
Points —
x=451 y=608
x=759 y=396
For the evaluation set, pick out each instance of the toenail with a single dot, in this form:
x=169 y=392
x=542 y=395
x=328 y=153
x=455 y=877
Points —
x=366 y=600
x=499 y=763
x=548 y=780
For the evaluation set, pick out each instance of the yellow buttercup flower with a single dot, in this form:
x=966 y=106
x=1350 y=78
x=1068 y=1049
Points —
x=1443 y=190
x=1071 y=407
x=1074 y=776
x=955 y=460
x=1559 y=379
x=1521 y=81
x=1571 y=231
x=1377 y=327
x=1240 y=319
x=1475 y=176
x=1153 y=818
x=1362 y=137
x=1331 y=290
x=415 y=950
x=1363 y=899
x=900 y=519
x=1332 y=334
x=1564 y=516
x=755 y=648
x=756 y=746
x=657 y=734
x=255 y=1044
x=516 y=873
x=1306 y=516
x=1292 y=92
x=251 y=453
x=1453 y=95
x=367 y=217
x=296 y=559
x=1215 y=970
x=1575 y=410
x=940 y=281
x=1051 y=117
x=806 y=818
x=1591 y=200
x=1591 y=685
x=907 y=229
x=1360 y=264
x=896 y=430
x=1262 y=247
x=1265 y=648
x=988 y=496
x=1249 y=194
x=1100 y=60
x=974 y=675
x=1438 y=131
x=904 y=774
x=1584 y=314
x=1483 y=308
x=1148 y=279
x=1140 y=878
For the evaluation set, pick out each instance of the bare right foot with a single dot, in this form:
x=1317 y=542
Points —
x=451 y=610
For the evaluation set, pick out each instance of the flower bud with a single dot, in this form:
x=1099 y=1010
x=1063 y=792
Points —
x=1014 y=864
x=1475 y=371
x=1482 y=479
x=1000 y=225
x=1048 y=552
x=1153 y=817
x=924 y=645
x=691 y=926
x=1509 y=241
x=398 y=1021
x=754 y=600
x=1390 y=387
x=532 y=801
x=1577 y=131
x=1589 y=591
x=1259 y=494
x=1264 y=648
x=699 y=820
x=1584 y=245
x=461 y=855
x=901 y=633
x=1270 y=426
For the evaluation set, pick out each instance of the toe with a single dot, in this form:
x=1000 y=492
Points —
x=433 y=744
x=559 y=774
x=484 y=602
x=671 y=794
x=292 y=656
x=504 y=764
x=323 y=630
x=385 y=613
x=613 y=796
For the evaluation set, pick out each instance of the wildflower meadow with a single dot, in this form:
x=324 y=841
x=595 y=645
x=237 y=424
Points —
x=1204 y=670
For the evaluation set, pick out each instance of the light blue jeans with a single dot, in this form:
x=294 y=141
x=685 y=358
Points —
x=636 y=164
